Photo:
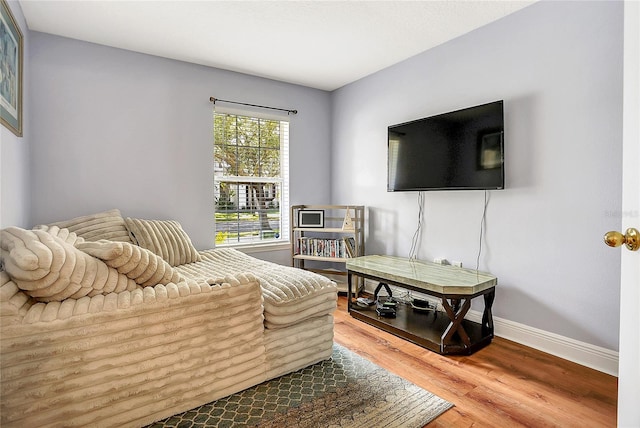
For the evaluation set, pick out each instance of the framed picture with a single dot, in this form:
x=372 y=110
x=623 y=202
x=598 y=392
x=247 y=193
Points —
x=11 y=63
x=490 y=151
x=311 y=218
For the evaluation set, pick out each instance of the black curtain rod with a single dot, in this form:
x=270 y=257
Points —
x=214 y=100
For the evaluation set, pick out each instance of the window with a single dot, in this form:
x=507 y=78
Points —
x=251 y=179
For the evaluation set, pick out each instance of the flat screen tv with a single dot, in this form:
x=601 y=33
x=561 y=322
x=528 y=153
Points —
x=459 y=150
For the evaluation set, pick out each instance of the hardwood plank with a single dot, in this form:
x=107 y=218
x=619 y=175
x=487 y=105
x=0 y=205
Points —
x=503 y=385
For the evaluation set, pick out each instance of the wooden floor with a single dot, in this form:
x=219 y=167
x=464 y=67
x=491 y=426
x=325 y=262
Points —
x=502 y=385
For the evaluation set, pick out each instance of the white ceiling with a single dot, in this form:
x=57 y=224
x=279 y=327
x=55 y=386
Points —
x=320 y=44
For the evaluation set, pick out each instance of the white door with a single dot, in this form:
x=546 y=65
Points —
x=629 y=364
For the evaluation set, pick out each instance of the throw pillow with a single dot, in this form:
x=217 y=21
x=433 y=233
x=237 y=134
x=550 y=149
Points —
x=48 y=268
x=165 y=238
x=139 y=264
x=104 y=225
x=61 y=233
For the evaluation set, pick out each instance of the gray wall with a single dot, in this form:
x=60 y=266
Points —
x=110 y=128
x=14 y=150
x=118 y=129
x=558 y=67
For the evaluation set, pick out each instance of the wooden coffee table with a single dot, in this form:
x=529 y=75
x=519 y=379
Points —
x=443 y=332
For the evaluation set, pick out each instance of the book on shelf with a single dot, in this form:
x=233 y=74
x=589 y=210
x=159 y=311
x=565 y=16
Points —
x=350 y=246
x=325 y=247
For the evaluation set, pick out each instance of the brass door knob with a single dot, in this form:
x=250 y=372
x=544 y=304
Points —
x=631 y=239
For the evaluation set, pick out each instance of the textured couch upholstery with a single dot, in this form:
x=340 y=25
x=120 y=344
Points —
x=87 y=338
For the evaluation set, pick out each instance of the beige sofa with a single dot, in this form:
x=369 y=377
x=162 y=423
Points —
x=131 y=329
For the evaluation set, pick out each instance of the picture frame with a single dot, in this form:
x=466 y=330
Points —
x=490 y=151
x=311 y=218
x=11 y=66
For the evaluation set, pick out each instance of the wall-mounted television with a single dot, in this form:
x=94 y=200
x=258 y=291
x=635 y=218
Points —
x=459 y=150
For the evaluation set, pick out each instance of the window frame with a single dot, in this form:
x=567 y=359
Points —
x=283 y=242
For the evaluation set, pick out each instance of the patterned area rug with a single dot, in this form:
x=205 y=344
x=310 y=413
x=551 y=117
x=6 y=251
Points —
x=345 y=391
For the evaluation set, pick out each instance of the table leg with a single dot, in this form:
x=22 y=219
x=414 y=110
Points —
x=349 y=291
x=487 y=316
x=456 y=317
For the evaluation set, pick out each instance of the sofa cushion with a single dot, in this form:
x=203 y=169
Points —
x=291 y=295
x=141 y=265
x=104 y=225
x=165 y=238
x=49 y=268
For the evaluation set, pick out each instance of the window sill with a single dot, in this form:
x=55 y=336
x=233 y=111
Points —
x=259 y=248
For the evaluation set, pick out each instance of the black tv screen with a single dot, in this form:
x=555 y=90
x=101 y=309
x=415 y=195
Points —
x=459 y=150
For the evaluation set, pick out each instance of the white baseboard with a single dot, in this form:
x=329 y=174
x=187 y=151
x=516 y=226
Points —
x=595 y=357
x=592 y=356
